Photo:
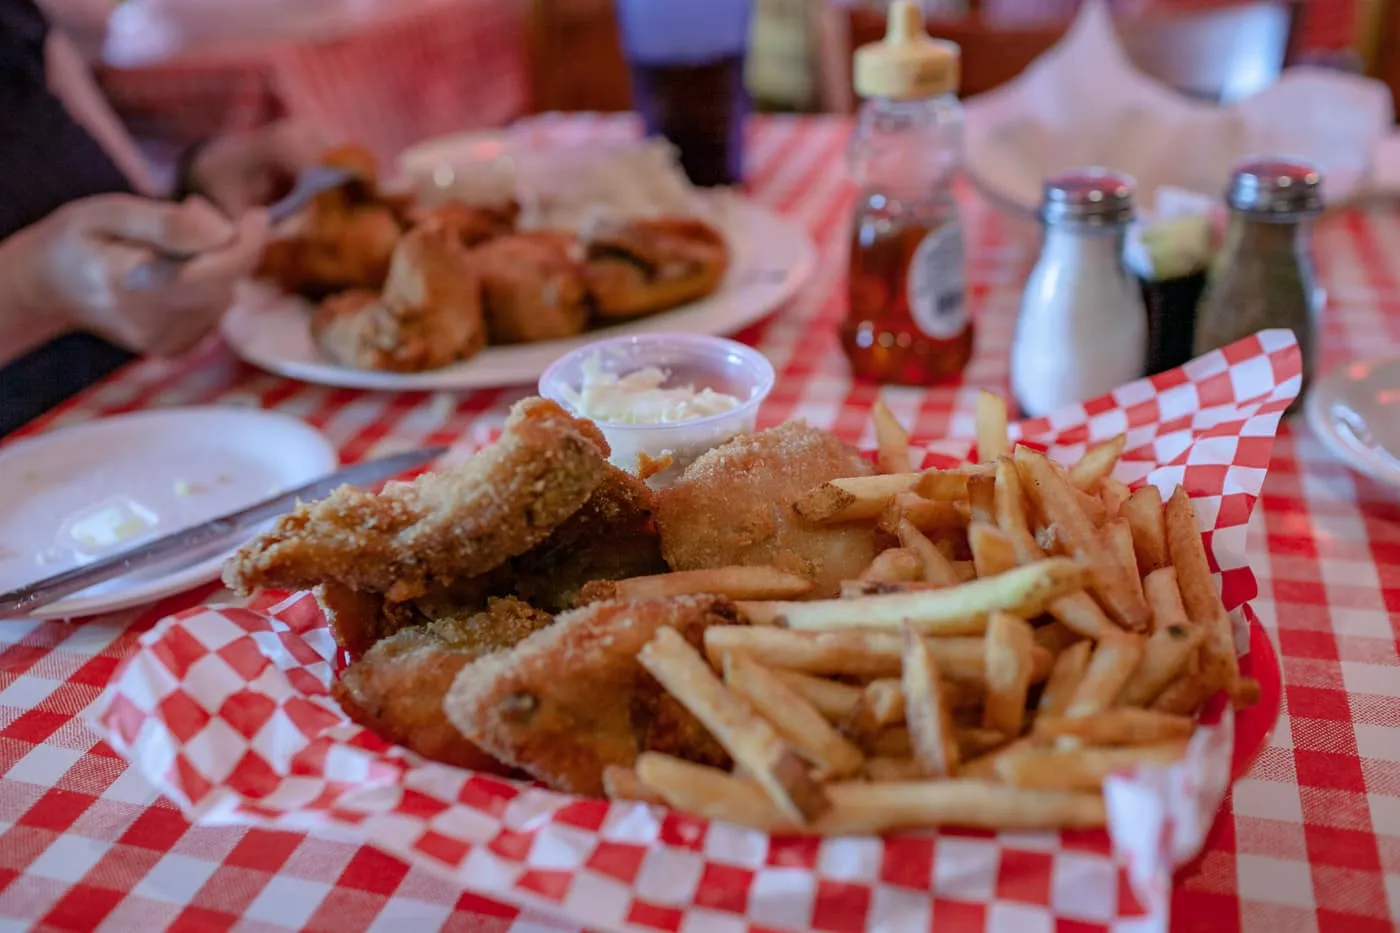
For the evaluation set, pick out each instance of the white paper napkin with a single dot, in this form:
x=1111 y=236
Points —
x=1083 y=103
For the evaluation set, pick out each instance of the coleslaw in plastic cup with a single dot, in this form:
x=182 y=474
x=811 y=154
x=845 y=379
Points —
x=659 y=397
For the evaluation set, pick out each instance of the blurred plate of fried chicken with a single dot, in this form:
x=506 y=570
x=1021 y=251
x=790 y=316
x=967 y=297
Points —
x=371 y=289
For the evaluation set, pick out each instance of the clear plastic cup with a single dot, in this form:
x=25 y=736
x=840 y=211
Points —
x=686 y=360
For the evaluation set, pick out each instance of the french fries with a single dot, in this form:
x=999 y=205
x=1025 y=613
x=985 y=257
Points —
x=1219 y=663
x=852 y=653
x=993 y=552
x=1118 y=727
x=1056 y=500
x=990 y=415
x=832 y=699
x=733 y=582
x=847 y=500
x=1114 y=494
x=937 y=568
x=1080 y=769
x=927 y=515
x=1010 y=664
x=907 y=701
x=750 y=740
x=623 y=784
x=1164 y=657
x=1097 y=464
x=947 y=485
x=891 y=440
x=1113 y=662
x=1065 y=676
x=796 y=720
x=931 y=740
x=897 y=565
x=1143 y=510
x=955 y=610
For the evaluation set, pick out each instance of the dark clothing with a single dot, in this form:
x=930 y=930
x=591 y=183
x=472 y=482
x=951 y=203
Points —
x=49 y=159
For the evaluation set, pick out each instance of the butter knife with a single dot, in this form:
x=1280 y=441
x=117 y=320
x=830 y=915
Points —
x=204 y=539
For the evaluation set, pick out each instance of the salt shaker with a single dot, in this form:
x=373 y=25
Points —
x=1263 y=275
x=1082 y=330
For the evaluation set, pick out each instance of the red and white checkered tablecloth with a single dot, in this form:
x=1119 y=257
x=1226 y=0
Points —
x=1309 y=840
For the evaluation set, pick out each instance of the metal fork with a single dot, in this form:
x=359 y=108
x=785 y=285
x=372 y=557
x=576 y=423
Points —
x=162 y=270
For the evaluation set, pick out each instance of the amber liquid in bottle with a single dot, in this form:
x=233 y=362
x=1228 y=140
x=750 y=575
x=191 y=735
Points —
x=906 y=323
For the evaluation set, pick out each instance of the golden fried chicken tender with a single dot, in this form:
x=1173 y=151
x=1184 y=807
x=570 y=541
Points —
x=649 y=265
x=612 y=537
x=428 y=316
x=442 y=528
x=471 y=224
x=734 y=507
x=571 y=699
x=396 y=689
x=534 y=288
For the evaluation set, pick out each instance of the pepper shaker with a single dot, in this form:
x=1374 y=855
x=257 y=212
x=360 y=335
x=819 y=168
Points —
x=1082 y=329
x=1263 y=276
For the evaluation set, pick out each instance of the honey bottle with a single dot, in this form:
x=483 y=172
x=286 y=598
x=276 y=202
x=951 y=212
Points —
x=907 y=319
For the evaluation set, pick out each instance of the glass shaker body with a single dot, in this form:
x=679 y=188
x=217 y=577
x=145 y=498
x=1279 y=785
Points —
x=1263 y=276
x=907 y=318
x=1082 y=329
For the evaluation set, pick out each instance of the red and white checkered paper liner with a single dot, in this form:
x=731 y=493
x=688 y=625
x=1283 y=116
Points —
x=227 y=710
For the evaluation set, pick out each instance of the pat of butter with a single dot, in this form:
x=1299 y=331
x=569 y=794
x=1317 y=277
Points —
x=110 y=524
x=184 y=487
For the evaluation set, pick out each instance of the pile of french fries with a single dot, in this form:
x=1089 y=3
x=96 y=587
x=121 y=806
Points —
x=1036 y=629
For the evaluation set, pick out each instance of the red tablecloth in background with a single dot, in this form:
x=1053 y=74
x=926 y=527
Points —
x=443 y=67
x=1309 y=839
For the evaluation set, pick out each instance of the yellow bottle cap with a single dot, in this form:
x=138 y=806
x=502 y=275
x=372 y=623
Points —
x=908 y=64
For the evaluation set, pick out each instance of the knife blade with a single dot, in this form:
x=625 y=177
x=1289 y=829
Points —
x=201 y=539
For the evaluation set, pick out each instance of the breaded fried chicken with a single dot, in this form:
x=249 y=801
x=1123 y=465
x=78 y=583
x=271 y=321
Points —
x=571 y=699
x=611 y=538
x=734 y=506
x=397 y=688
x=443 y=527
x=429 y=315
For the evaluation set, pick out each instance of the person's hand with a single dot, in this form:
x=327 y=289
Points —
x=78 y=263
x=250 y=169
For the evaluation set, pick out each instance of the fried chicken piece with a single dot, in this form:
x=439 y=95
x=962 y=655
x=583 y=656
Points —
x=570 y=700
x=471 y=225
x=734 y=506
x=396 y=690
x=649 y=265
x=534 y=288
x=443 y=527
x=357 y=620
x=428 y=317
x=612 y=537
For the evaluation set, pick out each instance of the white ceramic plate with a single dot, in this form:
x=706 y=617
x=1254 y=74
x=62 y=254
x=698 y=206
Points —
x=772 y=258
x=1355 y=411
x=86 y=492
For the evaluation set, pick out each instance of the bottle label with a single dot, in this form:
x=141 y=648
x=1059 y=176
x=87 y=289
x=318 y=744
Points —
x=935 y=287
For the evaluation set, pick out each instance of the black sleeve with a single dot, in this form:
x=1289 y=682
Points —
x=23 y=29
x=48 y=158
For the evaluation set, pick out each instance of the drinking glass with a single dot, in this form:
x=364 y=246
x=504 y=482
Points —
x=686 y=59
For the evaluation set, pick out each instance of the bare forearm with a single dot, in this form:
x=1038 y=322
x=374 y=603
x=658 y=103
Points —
x=71 y=81
x=23 y=323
